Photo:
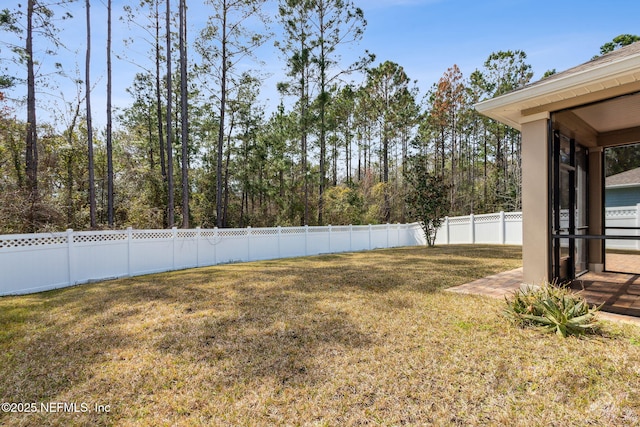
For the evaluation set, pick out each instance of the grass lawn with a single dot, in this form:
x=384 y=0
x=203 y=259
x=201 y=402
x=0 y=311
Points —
x=348 y=339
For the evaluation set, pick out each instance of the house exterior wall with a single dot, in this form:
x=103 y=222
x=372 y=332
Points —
x=535 y=201
x=622 y=196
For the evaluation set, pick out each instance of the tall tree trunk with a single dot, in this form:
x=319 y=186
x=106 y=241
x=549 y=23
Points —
x=92 y=186
x=70 y=163
x=335 y=163
x=163 y=169
x=304 y=116
x=304 y=97
x=347 y=151
x=31 y=154
x=385 y=176
x=323 y=123
x=184 y=114
x=110 y=201
x=225 y=218
x=170 y=202
x=223 y=99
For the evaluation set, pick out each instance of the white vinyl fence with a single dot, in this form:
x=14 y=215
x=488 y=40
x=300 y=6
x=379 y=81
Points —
x=38 y=262
x=497 y=228
x=627 y=216
x=506 y=228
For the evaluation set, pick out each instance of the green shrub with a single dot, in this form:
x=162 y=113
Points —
x=552 y=308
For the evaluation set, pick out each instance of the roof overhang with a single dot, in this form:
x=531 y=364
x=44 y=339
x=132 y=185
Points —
x=598 y=80
x=616 y=186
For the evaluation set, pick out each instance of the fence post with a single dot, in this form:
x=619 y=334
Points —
x=502 y=231
x=70 y=255
x=330 y=238
x=387 y=245
x=279 y=243
x=215 y=245
x=306 y=240
x=249 y=243
x=446 y=231
x=129 y=238
x=472 y=228
x=350 y=237
x=197 y=246
x=369 y=236
x=174 y=236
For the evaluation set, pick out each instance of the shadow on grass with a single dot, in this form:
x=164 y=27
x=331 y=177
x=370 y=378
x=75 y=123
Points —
x=270 y=320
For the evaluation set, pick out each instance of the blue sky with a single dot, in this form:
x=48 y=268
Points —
x=428 y=36
x=424 y=36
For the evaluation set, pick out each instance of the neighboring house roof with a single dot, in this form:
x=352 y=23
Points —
x=630 y=178
x=614 y=74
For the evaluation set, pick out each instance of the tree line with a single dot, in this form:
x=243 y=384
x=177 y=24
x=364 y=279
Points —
x=197 y=147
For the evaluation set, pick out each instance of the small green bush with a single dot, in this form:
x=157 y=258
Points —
x=552 y=308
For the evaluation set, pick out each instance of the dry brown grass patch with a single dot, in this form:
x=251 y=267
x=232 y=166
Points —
x=365 y=338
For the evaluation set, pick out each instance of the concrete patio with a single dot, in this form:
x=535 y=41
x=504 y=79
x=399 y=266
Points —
x=620 y=293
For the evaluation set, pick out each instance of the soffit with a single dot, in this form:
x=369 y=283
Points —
x=618 y=113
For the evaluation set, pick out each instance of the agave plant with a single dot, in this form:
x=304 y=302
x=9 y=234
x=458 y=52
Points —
x=553 y=308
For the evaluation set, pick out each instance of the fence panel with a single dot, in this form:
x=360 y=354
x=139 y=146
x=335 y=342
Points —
x=260 y=243
x=232 y=245
x=64 y=259
x=513 y=228
x=98 y=255
x=378 y=236
x=361 y=238
x=36 y=262
x=340 y=239
x=489 y=229
x=626 y=216
x=150 y=251
x=207 y=244
x=185 y=249
x=293 y=241
x=459 y=230
x=317 y=240
x=33 y=262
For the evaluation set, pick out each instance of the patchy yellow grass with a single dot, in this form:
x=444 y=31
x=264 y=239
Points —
x=349 y=339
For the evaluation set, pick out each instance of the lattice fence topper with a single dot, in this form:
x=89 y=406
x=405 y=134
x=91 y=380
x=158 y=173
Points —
x=35 y=241
x=90 y=238
x=228 y=232
x=513 y=216
x=151 y=235
x=187 y=234
x=487 y=218
x=264 y=231
x=318 y=229
x=293 y=230
x=460 y=220
x=618 y=212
